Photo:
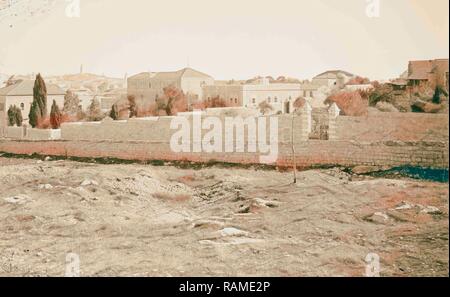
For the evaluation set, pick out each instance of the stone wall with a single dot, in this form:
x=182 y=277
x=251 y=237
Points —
x=387 y=139
x=385 y=126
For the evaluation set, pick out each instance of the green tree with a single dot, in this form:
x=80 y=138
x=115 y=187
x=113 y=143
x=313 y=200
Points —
x=11 y=116
x=438 y=92
x=71 y=103
x=14 y=116
x=114 y=113
x=94 y=111
x=18 y=116
x=132 y=106
x=38 y=110
x=55 y=116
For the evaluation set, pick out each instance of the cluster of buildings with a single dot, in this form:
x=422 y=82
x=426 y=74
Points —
x=424 y=73
x=148 y=87
x=198 y=86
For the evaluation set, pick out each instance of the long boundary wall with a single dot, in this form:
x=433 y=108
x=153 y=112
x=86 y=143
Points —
x=149 y=139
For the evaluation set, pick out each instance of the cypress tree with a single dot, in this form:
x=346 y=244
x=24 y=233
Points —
x=14 y=116
x=38 y=109
x=18 y=117
x=11 y=116
x=33 y=116
x=114 y=114
x=55 y=116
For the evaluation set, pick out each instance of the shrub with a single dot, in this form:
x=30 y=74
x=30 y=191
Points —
x=55 y=116
x=214 y=102
x=114 y=113
x=14 y=116
x=380 y=93
x=299 y=102
x=438 y=92
x=94 y=112
x=265 y=107
x=71 y=103
x=132 y=106
x=350 y=103
x=172 y=102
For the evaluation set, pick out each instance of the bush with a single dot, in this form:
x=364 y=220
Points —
x=94 y=111
x=350 y=103
x=55 y=116
x=114 y=113
x=214 y=102
x=438 y=92
x=132 y=107
x=380 y=93
x=14 y=116
x=71 y=103
x=264 y=107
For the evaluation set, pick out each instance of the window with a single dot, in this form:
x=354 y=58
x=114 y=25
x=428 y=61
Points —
x=253 y=100
x=276 y=99
x=304 y=93
x=310 y=93
x=268 y=99
x=235 y=100
x=149 y=85
x=231 y=99
x=22 y=106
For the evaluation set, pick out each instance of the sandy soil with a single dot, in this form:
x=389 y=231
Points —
x=140 y=220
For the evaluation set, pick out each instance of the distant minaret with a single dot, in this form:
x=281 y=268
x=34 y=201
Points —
x=81 y=69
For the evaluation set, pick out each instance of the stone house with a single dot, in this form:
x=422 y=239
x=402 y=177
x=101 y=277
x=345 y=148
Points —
x=21 y=95
x=280 y=96
x=147 y=87
x=428 y=72
x=332 y=78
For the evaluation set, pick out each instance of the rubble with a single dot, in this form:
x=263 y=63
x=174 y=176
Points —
x=18 y=199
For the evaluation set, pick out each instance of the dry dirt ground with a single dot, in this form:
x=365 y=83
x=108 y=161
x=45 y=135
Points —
x=142 y=220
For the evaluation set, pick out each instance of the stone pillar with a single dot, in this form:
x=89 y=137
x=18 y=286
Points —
x=306 y=122
x=333 y=113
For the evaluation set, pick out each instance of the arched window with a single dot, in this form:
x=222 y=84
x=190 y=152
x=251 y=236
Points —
x=149 y=85
x=22 y=106
x=268 y=99
x=235 y=100
x=276 y=99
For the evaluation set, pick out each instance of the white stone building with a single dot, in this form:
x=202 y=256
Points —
x=332 y=78
x=280 y=96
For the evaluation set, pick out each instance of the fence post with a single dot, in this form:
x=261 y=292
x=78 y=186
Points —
x=306 y=122
x=333 y=113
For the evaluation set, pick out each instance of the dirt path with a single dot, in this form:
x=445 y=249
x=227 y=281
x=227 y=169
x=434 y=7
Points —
x=163 y=221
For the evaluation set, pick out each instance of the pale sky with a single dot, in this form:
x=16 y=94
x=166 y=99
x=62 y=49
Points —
x=226 y=38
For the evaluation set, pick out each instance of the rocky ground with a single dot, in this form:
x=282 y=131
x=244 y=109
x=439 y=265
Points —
x=142 y=220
